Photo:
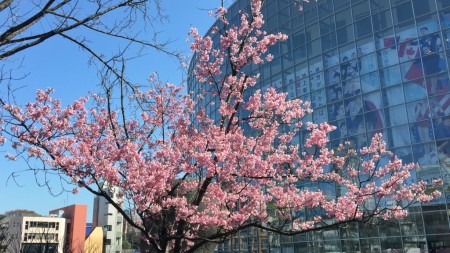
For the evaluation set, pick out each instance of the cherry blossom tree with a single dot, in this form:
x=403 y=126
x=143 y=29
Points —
x=194 y=180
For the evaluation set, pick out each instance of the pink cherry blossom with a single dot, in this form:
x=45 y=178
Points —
x=184 y=171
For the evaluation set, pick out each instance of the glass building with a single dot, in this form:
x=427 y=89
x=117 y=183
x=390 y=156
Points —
x=366 y=66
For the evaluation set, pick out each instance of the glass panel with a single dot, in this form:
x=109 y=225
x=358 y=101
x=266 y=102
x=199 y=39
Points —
x=341 y=4
x=325 y=8
x=420 y=113
x=351 y=87
x=275 y=66
x=367 y=63
x=439 y=106
x=436 y=223
x=371 y=245
x=302 y=79
x=445 y=18
x=298 y=38
x=353 y=106
x=334 y=92
x=399 y=136
x=312 y=32
x=423 y=7
x=337 y=111
x=310 y=15
x=368 y=230
x=363 y=27
x=341 y=131
x=272 y=23
x=389 y=76
x=414 y=244
x=326 y=25
x=355 y=125
x=365 y=46
x=412 y=70
x=313 y=48
x=388 y=57
x=330 y=59
x=382 y=20
x=318 y=98
x=372 y=101
x=287 y=60
x=412 y=224
x=402 y=13
x=374 y=121
x=389 y=228
x=300 y=54
x=350 y=230
x=297 y=22
x=414 y=90
x=392 y=95
x=378 y=5
x=316 y=78
x=426 y=155
x=438 y=84
x=350 y=65
x=345 y=35
x=396 y=116
x=320 y=115
x=405 y=154
x=350 y=246
x=361 y=10
x=385 y=38
x=329 y=41
x=438 y=243
x=370 y=82
x=442 y=130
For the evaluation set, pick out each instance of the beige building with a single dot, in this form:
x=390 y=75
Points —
x=35 y=234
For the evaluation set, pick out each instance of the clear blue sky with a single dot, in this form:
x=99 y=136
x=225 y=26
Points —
x=61 y=65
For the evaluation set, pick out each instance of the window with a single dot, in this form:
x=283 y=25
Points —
x=403 y=13
x=108 y=227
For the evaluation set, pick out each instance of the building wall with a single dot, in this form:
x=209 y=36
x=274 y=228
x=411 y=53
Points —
x=94 y=241
x=367 y=66
x=75 y=216
x=33 y=233
x=111 y=221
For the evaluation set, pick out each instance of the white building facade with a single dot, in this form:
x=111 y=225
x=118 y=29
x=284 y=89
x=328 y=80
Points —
x=35 y=234
x=107 y=217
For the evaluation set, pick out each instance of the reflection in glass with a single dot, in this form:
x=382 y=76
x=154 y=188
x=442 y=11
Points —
x=442 y=127
x=438 y=84
x=426 y=154
x=396 y=116
x=414 y=244
x=370 y=245
x=372 y=101
x=436 y=222
x=412 y=224
x=393 y=95
x=399 y=136
x=351 y=246
x=414 y=90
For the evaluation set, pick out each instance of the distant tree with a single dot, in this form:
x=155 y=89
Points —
x=21 y=212
x=194 y=181
x=5 y=238
x=126 y=244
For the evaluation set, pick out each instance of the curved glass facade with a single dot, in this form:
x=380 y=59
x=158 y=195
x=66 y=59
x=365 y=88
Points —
x=366 y=66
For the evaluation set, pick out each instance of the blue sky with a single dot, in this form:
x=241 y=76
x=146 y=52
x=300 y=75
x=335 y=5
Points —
x=61 y=65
